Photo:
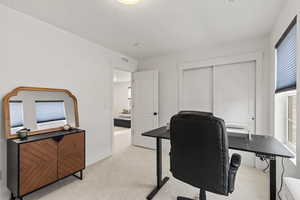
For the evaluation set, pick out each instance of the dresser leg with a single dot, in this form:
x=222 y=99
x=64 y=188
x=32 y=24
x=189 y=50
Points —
x=80 y=177
x=12 y=196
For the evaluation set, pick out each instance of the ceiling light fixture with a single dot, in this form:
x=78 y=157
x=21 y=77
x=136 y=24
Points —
x=129 y=2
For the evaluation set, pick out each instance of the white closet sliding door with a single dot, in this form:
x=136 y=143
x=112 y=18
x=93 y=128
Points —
x=226 y=90
x=234 y=99
x=234 y=94
x=197 y=89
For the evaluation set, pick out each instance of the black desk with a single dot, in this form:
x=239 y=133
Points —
x=263 y=146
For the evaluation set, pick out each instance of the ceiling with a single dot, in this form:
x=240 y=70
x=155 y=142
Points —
x=157 y=27
x=121 y=76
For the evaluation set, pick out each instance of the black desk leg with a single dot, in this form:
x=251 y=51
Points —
x=273 y=179
x=160 y=183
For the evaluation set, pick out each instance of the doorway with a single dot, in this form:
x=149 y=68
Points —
x=122 y=104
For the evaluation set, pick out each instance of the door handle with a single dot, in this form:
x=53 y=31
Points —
x=155 y=113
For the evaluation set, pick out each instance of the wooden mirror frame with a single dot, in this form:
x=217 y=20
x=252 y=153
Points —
x=6 y=114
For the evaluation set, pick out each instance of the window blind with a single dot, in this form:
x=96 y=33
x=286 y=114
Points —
x=286 y=60
x=16 y=114
x=48 y=111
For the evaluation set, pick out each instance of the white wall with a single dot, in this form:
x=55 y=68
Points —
x=34 y=53
x=121 y=97
x=285 y=18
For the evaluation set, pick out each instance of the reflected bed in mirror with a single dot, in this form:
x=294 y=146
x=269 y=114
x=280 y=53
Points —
x=39 y=109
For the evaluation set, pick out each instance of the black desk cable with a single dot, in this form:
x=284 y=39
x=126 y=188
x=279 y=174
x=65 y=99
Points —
x=281 y=178
x=268 y=165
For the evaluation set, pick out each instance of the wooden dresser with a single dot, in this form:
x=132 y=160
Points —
x=40 y=160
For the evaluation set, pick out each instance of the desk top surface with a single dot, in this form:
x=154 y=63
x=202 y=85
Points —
x=260 y=144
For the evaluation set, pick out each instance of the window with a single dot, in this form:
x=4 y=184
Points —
x=129 y=93
x=50 y=114
x=16 y=115
x=129 y=98
x=291 y=123
x=286 y=84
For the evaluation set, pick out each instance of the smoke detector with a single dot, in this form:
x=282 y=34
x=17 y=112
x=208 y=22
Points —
x=129 y=2
x=230 y=1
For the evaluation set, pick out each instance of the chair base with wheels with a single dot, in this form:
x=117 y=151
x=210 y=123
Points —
x=202 y=196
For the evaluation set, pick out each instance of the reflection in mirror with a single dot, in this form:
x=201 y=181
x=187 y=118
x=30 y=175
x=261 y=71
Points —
x=50 y=114
x=16 y=116
x=41 y=110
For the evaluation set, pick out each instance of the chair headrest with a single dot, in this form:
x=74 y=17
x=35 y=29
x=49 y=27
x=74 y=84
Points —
x=190 y=112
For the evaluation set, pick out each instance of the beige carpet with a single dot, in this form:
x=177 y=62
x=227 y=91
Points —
x=130 y=175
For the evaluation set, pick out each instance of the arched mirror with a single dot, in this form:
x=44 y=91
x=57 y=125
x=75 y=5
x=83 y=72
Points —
x=41 y=110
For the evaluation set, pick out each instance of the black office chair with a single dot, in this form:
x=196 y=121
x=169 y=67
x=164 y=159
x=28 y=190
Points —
x=199 y=153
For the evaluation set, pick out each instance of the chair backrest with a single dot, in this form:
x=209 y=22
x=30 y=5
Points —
x=199 y=151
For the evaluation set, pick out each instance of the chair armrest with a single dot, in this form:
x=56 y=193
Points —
x=235 y=163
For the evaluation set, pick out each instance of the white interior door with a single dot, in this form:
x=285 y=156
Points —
x=197 y=93
x=234 y=95
x=145 y=106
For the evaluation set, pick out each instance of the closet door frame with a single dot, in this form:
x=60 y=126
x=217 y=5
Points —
x=257 y=57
